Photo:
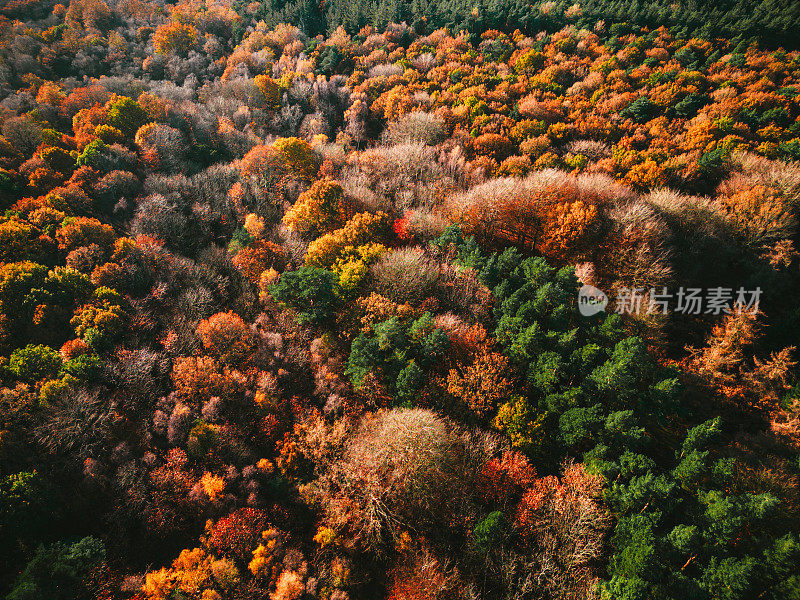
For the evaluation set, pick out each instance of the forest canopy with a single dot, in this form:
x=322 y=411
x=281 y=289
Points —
x=771 y=22
x=294 y=300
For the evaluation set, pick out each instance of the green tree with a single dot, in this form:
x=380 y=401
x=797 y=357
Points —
x=399 y=353
x=313 y=292
x=489 y=532
x=60 y=571
x=24 y=511
x=127 y=115
x=640 y=110
x=98 y=156
x=34 y=363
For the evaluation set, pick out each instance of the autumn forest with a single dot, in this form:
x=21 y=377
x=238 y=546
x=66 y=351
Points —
x=399 y=300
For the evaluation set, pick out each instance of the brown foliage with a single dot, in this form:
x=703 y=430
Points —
x=402 y=466
x=258 y=257
x=562 y=524
x=421 y=576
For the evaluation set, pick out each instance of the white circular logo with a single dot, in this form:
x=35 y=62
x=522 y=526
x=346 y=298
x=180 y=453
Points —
x=591 y=300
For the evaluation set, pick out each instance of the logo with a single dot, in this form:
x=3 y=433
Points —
x=591 y=300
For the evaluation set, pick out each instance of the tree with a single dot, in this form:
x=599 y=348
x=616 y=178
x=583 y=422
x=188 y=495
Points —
x=401 y=466
x=564 y=524
x=640 y=110
x=493 y=145
x=35 y=363
x=344 y=244
x=483 y=385
x=270 y=91
x=417 y=127
x=398 y=353
x=18 y=240
x=102 y=322
x=82 y=231
x=174 y=37
x=227 y=337
x=95 y=155
x=24 y=502
x=299 y=156
x=409 y=381
x=237 y=534
x=290 y=586
x=312 y=292
x=60 y=571
x=556 y=213
x=317 y=210
x=259 y=257
x=162 y=147
x=58 y=159
x=405 y=275
x=126 y=115
x=489 y=532
x=264 y=164
x=17 y=302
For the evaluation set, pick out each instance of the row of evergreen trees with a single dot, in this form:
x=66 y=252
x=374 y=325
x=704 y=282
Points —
x=772 y=23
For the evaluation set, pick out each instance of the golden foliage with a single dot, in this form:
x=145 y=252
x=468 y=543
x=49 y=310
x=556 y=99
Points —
x=213 y=485
x=317 y=210
x=299 y=155
x=481 y=385
x=174 y=37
